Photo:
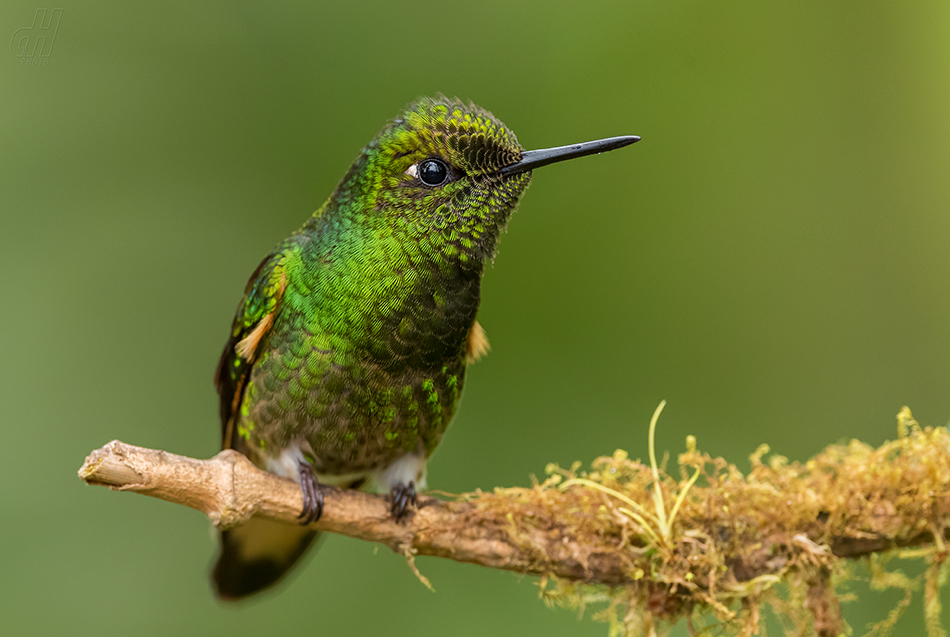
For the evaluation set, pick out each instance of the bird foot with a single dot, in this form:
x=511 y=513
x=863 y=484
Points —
x=403 y=495
x=312 y=495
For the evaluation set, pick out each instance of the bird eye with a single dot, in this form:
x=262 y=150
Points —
x=433 y=172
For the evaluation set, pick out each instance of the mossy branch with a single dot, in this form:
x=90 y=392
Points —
x=655 y=547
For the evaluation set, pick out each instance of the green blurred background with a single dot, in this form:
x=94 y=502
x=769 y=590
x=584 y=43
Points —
x=772 y=259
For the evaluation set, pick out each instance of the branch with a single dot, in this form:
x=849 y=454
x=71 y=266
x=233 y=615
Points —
x=663 y=546
x=229 y=490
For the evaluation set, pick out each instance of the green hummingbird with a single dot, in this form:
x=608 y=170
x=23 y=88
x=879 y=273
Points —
x=347 y=355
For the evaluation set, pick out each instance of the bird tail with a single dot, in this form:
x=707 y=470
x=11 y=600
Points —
x=257 y=554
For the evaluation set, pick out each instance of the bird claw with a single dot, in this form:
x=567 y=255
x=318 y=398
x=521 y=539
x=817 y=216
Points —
x=312 y=495
x=403 y=496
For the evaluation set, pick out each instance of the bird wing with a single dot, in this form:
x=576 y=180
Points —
x=252 y=322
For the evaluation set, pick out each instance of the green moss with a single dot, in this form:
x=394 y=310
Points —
x=711 y=545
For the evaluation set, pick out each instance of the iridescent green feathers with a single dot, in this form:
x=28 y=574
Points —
x=377 y=292
x=465 y=212
x=253 y=320
x=468 y=137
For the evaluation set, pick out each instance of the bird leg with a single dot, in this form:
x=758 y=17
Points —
x=312 y=495
x=402 y=495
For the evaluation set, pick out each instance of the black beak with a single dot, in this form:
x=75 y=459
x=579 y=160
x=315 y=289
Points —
x=531 y=159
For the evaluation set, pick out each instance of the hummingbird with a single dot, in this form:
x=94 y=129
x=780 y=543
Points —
x=347 y=354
